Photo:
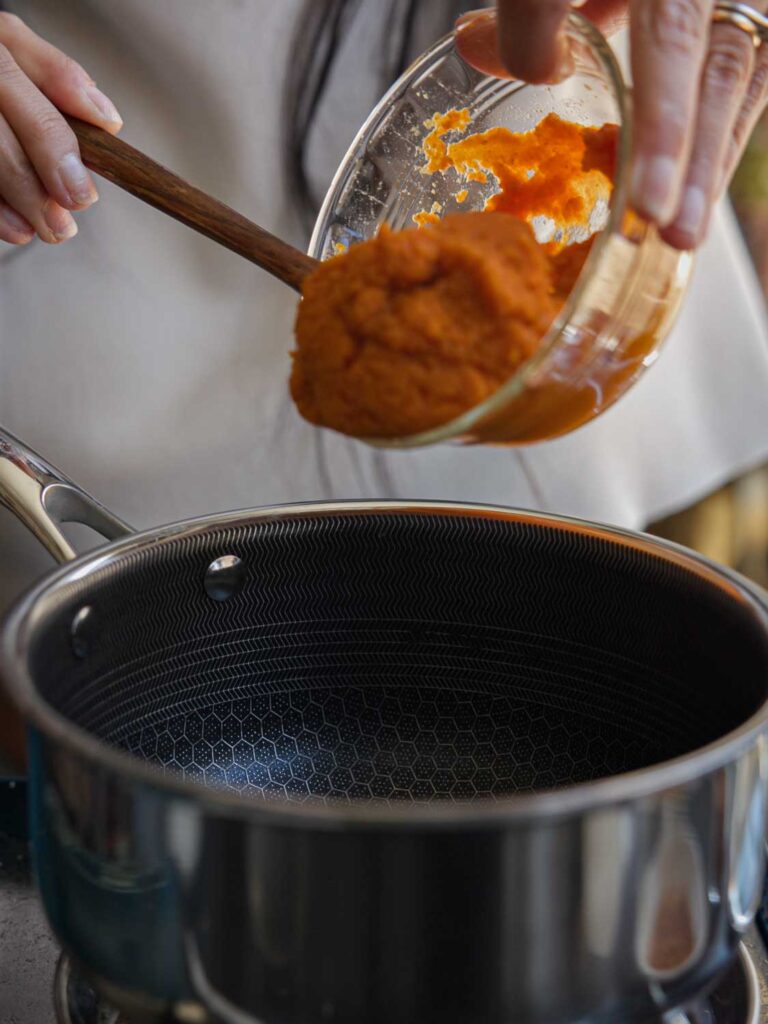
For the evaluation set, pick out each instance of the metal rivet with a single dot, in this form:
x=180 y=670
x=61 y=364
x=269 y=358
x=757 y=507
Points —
x=224 y=577
x=81 y=631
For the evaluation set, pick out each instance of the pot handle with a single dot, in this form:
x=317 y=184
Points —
x=42 y=498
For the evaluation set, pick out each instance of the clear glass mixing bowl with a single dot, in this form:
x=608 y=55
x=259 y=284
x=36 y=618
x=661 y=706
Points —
x=623 y=305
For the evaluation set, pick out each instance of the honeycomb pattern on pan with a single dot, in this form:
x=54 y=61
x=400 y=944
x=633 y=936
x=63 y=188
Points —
x=384 y=743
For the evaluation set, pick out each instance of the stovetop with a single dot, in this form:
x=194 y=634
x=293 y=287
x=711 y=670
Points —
x=29 y=955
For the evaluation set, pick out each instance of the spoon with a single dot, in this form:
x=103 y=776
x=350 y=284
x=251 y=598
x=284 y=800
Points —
x=136 y=173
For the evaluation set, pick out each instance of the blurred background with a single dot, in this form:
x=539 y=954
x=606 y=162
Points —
x=731 y=526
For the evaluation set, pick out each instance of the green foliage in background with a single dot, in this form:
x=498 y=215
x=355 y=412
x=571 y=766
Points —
x=750 y=184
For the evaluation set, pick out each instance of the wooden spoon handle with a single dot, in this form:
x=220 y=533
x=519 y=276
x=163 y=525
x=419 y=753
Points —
x=136 y=173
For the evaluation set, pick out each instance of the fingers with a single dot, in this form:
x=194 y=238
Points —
x=13 y=227
x=57 y=76
x=530 y=39
x=45 y=137
x=477 y=38
x=478 y=44
x=41 y=174
x=725 y=78
x=668 y=45
x=23 y=192
x=699 y=89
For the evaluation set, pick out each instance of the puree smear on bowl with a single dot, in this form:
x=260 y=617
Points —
x=410 y=329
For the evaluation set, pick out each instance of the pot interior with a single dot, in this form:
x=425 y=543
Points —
x=400 y=655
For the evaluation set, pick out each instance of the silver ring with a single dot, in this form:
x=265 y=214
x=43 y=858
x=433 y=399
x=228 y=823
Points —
x=744 y=17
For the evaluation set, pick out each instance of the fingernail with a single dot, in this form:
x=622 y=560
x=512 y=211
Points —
x=76 y=181
x=693 y=211
x=654 y=187
x=61 y=222
x=104 y=107
x=15 y=221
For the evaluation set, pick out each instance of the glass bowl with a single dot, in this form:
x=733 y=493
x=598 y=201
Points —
x=612 y=326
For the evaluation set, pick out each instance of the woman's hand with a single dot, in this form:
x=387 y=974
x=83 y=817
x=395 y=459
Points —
x=41 y=175
x=699 y=89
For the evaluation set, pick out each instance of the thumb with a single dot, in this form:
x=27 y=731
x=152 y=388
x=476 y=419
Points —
x=522 y=39
x=525 y=40
x=531 y=42
x=477 y=42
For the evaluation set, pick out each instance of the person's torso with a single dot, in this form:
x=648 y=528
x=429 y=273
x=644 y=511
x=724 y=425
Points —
x=152 y=364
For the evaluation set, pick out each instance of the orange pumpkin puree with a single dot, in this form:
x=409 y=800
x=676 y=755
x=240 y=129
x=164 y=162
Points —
x=560 y=170
x=408 y=330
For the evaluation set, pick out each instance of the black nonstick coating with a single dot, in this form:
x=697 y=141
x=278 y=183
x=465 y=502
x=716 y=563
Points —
x=403 y=656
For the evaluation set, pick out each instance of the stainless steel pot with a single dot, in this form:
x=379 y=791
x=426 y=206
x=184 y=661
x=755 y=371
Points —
x=413 y=762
